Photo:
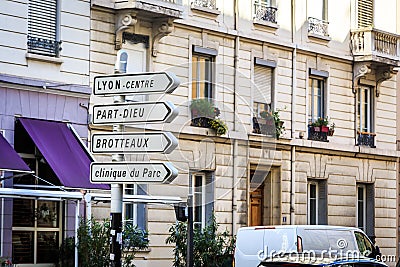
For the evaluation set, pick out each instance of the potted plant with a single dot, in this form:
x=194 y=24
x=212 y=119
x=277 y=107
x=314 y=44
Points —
x=202 y=111
x=205 y=114
x=219 y=126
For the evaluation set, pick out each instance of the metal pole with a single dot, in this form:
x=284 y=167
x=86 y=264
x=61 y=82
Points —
x=116 y=204
x=189 y=252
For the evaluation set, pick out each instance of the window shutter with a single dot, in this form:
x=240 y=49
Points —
x=210 y=178
x=370 y=210
x=42 y=27
x=263 y=84
x=322 y=203
x=141 y=208
x=365 y=13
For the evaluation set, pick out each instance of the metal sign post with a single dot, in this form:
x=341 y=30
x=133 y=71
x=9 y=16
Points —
x=116 y=204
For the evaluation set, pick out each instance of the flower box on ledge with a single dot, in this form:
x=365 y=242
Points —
x=318 y=133
x=366 y=139
x=205 y=114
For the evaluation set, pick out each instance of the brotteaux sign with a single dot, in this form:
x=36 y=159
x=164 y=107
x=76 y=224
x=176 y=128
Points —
x=152 y=142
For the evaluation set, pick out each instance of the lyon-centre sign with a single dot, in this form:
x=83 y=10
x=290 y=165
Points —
x=135 y=83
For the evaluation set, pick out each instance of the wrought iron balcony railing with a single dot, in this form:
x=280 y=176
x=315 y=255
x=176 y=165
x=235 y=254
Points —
x=369 y=42
x=44 y=46
x=211 y=4
x=265 y=13
x=318 y=133
x=318 y=26
x=366 y=139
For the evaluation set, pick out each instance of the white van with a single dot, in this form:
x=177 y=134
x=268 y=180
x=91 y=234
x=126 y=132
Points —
x=254 y=244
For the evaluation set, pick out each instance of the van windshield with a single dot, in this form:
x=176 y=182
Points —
x=324 y=241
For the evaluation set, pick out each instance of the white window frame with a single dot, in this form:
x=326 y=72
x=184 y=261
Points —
x=195 y=81
x=309 y=202
x=364 y=207
x=202 y=194
x=370 y=109
x=132 y=206
x=312 y=116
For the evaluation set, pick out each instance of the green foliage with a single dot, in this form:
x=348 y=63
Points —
x=219 y=126
x=211 y=248
x=94 y=243
x=202 y=107
x=279 y=128
x=134 y=239
x=320 y=122
x=205 y=114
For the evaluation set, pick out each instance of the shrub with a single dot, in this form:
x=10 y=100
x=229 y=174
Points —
x=211 y=249
x=94 y=244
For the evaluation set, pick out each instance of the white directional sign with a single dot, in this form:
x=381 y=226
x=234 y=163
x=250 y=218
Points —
x=132 y=172
x=161 y=142
x=139 y=83
x=135 y=112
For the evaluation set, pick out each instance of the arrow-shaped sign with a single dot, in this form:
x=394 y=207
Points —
x=160 y=142
x=135 y=83
x=135 y=112
x=132 y=172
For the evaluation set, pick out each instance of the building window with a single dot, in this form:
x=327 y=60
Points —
x=36 y=231
x=43 y=37
x=135 y=214
x=263 y=89
x=263 y=97
x=318 y=17
x=365 y=13
x=203 y=198
x=265 y=10
x=365 y=208
x=316 y=203
x=316 y=99
x=365 y=109
x=202 y=78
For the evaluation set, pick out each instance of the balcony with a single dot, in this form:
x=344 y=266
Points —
x=153 y=9
x=377 y=46
x=42 y=46
x=210 y=4
x=366 y=139
x=318 y=27
x=264 y=13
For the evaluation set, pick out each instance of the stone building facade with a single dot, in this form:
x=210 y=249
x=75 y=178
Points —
x=306 y=59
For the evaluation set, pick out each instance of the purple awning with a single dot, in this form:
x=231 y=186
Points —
x=9 y=159
x=62 y=150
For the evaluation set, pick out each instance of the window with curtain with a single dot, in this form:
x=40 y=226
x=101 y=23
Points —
x=43 y=36
x=365 y=109
x=317 y=202
x=202 y=80
x=365 y=13
x=316 y=99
